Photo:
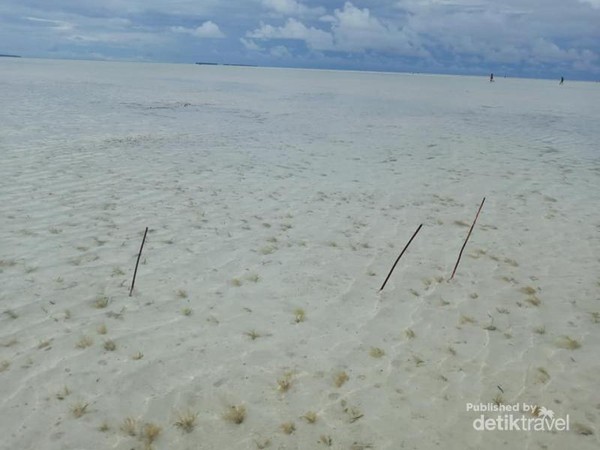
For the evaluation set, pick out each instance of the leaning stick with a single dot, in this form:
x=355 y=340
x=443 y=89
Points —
x=468 y=236
x=398 y=259
x=137 y=262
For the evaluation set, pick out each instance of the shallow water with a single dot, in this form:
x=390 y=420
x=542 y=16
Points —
x=269 y=190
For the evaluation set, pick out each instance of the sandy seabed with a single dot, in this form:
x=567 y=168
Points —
x=276 y=201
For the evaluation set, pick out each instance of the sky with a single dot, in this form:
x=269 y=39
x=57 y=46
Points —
x=527 y=38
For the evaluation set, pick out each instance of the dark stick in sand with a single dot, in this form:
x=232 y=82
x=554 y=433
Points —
x=468 y=236
x=137 y=262
x=398 y=259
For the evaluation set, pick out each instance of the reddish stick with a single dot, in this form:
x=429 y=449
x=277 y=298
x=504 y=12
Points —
x=468 y=236
x=398 y=259
x=137 y=262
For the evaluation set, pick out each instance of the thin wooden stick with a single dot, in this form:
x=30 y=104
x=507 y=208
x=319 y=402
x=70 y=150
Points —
x=399 y=256
x=137 y=262
x=468 y=236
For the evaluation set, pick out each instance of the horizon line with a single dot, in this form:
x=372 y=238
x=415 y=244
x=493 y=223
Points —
x=498 y=75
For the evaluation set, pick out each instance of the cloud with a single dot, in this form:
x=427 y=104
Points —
x=295 y=30
x=292 y=8
x=516 y=36
x=357 y=30
x=592 y=3
x=208 y=30
x=546 y=52
x=58 y=25
x=520 y=34
x=351 y=29
x=114 y=38
x=281 y=52
x=249 y=44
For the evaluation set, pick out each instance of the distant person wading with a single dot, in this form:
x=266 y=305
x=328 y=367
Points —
x=562 y=80
x=491 y=77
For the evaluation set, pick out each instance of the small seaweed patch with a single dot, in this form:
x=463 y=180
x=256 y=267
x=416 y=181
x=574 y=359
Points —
x=498 y=400
x=528 y=290
x=542 y=375
x=268 y=249
x=418 y=361
x=288 y=427
x=511 y=262
x=44 y=344
x=310 y=417
x=568 y=343
x=150 y=433
x=466 y=319
x=253 y=334
x=340 y=378
x=376 y=352
x=262 y=443
x=9 y=343
x=101 y=302
x=353 y=413
x=186 y=421
x=299 y=315
x=285 y=382
x=7 y=263
x=4 y=365
x=63 y=393
x=582 y=429
x=253 y=277
x=326 y=440
x=235 y=414
x=129 y=426
x=11 y=314
x=490 y=327
x=79 y=409
x=84 y=342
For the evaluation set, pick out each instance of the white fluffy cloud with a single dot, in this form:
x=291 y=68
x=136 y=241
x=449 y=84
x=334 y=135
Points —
x=519 y=36
x=357 y=30
x=351 y=29
x=208 y=30
x=295 y=30
x=523 y=32
x=450 y=33
x=292 y=8
x=249 y=44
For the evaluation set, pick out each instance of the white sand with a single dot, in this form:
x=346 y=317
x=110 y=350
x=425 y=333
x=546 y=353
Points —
x=302 y=187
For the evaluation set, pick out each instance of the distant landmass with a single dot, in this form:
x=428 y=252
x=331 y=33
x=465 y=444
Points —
x=222 y=64
x=9 y=56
